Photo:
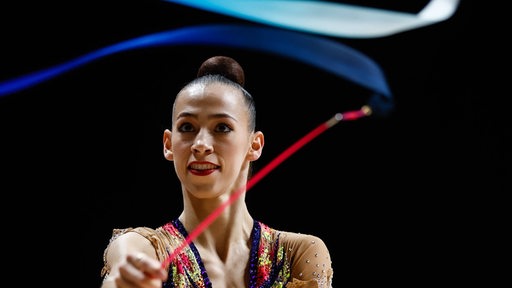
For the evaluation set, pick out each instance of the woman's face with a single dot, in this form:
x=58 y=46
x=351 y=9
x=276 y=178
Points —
x=210 y=143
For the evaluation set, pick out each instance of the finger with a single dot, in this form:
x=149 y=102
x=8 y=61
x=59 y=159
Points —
x=148 y=265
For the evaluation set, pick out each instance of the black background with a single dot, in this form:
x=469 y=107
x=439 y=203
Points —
x=82 y=153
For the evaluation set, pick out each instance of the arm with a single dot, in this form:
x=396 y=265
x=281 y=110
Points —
x=131 y=261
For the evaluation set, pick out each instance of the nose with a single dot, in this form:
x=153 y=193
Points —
x=202 y=144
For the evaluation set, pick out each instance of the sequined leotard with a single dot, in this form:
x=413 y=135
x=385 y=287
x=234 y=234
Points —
x=277 y=259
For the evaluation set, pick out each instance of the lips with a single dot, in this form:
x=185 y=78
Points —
x=202 y=168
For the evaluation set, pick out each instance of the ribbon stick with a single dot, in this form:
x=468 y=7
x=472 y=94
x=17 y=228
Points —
x=350 y=115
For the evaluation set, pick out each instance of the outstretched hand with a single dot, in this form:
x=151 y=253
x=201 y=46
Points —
x=138 y=270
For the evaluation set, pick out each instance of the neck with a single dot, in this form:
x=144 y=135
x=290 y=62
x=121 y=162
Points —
x=231 y=228
x=233 y=220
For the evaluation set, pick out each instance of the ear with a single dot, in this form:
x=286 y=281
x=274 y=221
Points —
x=258 y=141
x=168 y=145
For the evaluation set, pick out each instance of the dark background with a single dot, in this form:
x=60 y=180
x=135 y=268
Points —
x=82 y=153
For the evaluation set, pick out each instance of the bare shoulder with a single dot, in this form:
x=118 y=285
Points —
x=309 y=257
x=127 y=242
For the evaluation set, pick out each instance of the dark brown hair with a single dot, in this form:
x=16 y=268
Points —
x=226 y=70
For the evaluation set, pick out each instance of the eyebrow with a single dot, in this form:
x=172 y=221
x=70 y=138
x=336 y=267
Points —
x=212 y=116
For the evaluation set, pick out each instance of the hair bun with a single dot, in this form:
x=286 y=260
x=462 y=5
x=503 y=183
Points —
x=225 y=66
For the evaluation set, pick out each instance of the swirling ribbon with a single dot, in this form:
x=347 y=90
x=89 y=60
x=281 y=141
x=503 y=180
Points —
x=327 y=17
x=323 y=53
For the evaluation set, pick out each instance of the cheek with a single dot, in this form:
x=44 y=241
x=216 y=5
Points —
x=180 y=142
x=180 y=148
x=233 y=153
x=181 y=154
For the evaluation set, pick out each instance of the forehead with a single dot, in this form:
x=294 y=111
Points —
x=214 y=96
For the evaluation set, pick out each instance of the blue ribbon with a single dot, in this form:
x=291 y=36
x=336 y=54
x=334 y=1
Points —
x=328 y=17
x=323 y=53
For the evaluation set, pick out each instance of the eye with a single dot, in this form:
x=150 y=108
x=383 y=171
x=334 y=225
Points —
x=186 y=127
x=223 y=128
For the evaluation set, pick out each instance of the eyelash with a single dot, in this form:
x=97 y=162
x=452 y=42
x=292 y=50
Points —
x=220 y=128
